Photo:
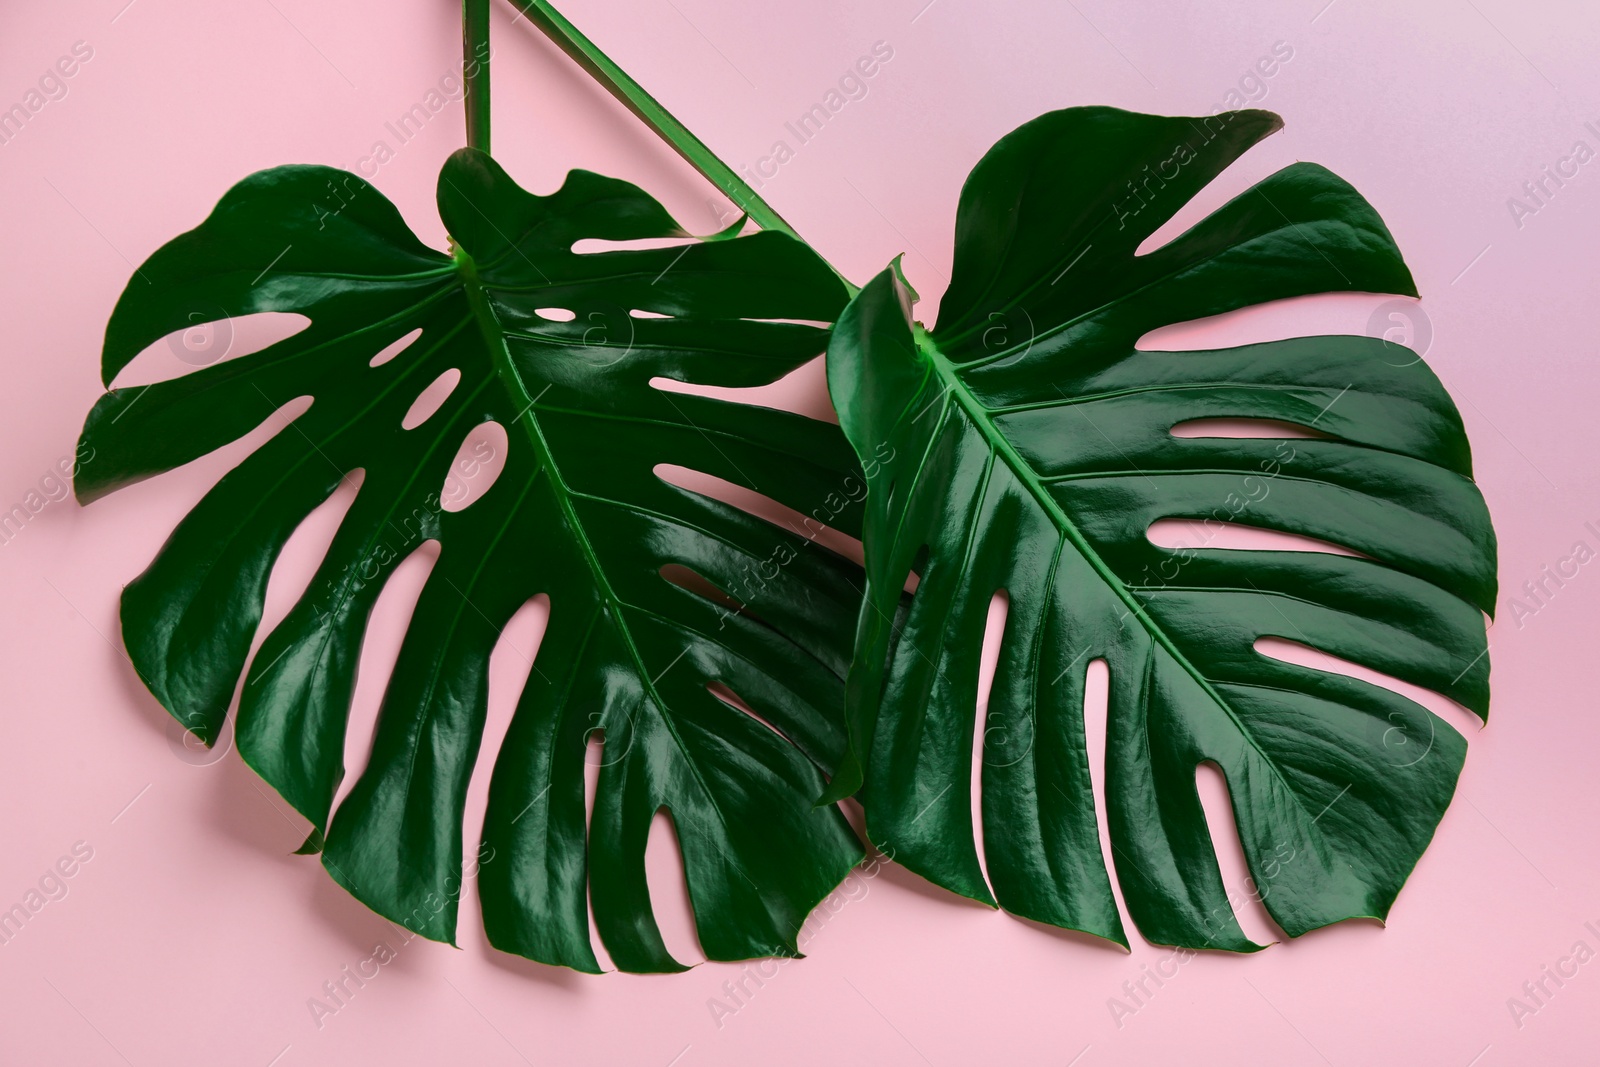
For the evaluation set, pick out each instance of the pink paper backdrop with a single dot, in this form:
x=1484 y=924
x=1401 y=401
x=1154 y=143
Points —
x=189 y=935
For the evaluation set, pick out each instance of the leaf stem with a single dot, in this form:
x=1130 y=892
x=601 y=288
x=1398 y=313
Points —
x=475 y=53
x=553 y=25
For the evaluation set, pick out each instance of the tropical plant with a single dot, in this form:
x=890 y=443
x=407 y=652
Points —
x=1022 y=445
x=1031 y=449
x=560 y=348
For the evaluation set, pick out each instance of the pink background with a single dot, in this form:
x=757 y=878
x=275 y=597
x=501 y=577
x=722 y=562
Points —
x=191 y=936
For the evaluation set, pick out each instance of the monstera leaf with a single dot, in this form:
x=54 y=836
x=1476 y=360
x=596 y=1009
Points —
x=560 y=348
x=1024 y=445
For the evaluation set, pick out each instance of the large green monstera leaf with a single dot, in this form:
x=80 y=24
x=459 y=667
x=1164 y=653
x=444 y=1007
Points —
x=559 y=347
x=1024 y=445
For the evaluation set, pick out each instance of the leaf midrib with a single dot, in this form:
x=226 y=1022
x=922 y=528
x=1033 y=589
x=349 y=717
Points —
x=979 y=416
x=506 y=370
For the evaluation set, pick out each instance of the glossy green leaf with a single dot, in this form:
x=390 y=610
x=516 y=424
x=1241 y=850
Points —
x=1025 y=446
x=579 y=512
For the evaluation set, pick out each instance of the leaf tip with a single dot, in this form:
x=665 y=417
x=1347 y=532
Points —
x=312 y=845
x=906 y=291
x=843 y=785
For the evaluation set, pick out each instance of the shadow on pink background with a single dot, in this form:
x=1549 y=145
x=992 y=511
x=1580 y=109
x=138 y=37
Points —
x=186 y=933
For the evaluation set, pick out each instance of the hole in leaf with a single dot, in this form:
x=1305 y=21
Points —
x=1271 y=429
x=594 y=758
x=669 y=890
x=813 y=527
x=431 y=399
x=296 y=565
x=1244 y=893
x=211 y=337
x=518 y=645
x=1301 y=316
x=735 y=701
x=694 y=582
x=992 y=739
x=380 y=651
x=641 y=313
x=1209 y=533
x=510 y=671
x=803 y=391
x=817 y=323
x=477 y=466
x=556 y=314
x=1096 y=714
x=592 y=245
x=297 y=562
x=1303 y=655
x=1150 y=198
x=204 y=471
x=279 y=420
x=394 y=348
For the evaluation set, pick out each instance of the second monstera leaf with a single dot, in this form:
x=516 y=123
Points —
x=1025 y=445
x=560 y=347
